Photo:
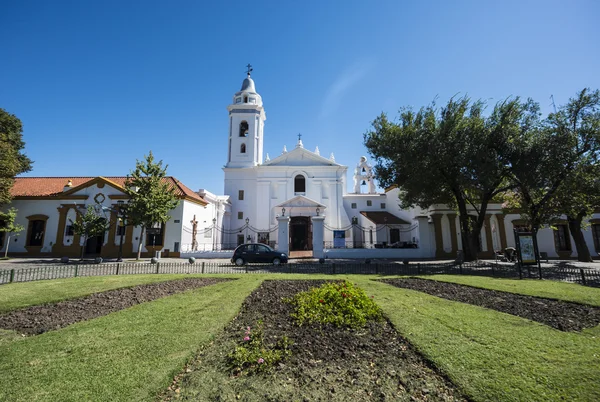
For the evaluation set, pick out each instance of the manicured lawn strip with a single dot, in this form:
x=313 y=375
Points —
x=19 y=295
x=531 y=287
x=129 y=355
x=491 y=355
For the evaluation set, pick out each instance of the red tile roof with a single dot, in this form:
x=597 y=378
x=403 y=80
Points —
x=383 y=218
x=53 y=186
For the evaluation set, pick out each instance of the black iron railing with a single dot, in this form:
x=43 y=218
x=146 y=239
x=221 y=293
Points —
x=588 y=277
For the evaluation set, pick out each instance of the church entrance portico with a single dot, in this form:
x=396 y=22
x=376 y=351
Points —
x=296 y=226
x=300 y=233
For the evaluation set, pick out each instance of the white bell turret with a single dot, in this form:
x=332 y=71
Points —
x=246 y=125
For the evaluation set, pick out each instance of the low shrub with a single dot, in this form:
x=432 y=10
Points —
x=337 y=303
x=253 y=355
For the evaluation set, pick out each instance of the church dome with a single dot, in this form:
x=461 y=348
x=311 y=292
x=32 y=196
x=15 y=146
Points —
x=248 y=85
x=247 y=95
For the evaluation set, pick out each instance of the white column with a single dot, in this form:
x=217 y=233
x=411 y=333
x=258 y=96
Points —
x=283 y=234
x=426 y=243
x=318 y=229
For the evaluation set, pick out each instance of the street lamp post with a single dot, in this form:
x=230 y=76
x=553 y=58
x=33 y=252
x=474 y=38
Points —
x=214 y=234
x=247 y=221
x=385 y=228
x=121 y=224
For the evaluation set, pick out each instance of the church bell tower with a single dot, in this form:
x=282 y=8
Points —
x=246 y=123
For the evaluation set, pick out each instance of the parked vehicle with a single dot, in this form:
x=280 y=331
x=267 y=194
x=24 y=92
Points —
x=257 y=252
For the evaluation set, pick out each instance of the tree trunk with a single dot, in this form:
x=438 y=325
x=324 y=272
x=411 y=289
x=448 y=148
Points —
x=583 y=253
x=469 y=253
x=141 y=243
x=83 y=247
x=6 y=248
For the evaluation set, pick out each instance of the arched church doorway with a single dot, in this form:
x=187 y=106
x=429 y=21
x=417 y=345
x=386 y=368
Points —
x=300 y=233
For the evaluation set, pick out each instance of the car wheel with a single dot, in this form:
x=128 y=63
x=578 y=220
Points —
x=239 y=261
x=276 y=261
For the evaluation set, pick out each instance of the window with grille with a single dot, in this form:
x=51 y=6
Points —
x=596 y=235
x=36 y=232
x=561 y=238
x=154 y=237
x=241 y=195
x=240 y=215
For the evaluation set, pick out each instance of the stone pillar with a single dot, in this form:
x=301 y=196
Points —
x=283 y=234
x=425 y=239
x=59 y=249
x=60 y=232
x=110 y=249
x=501 y=230
x=128 y=244
x=439 y=240
x=453 y=239
x=318 y=232
x=488 y=237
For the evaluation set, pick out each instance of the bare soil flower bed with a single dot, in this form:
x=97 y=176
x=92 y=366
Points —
x=39 y=319
x=327 y=362
x=561 y=315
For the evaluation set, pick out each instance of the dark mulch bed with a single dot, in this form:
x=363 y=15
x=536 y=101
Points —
x=327 y=362
x=562 y=315
x=39 y=319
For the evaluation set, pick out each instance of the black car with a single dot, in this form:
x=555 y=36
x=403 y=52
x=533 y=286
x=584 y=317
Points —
x=257 y=252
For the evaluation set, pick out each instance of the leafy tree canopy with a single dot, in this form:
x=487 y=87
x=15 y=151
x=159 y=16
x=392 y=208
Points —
x=561 y=153
x=453 y=155
x=151 y=197
x=12 y=160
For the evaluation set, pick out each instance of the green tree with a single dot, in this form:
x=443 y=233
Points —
x=8 y=227
x=453 y=156
x=151 y=197
x=89 y=225
x=555 y=167
x=577 y=198
x=12 y=160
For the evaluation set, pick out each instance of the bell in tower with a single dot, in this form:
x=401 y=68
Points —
x=363 y=176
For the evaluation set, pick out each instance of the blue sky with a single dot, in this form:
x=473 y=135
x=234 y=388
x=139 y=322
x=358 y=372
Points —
x=99 y=84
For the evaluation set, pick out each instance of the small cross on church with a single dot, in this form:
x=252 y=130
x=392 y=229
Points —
x=249 y=67
x=299 y=136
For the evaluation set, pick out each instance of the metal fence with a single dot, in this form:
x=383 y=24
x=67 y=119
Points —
x=588 y=277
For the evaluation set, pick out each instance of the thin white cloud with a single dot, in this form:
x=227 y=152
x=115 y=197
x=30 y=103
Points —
x=345 y=81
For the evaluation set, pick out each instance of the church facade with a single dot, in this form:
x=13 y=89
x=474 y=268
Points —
x=297 y=201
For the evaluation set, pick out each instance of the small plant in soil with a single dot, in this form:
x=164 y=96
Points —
x=253 y=355
x=336 y=303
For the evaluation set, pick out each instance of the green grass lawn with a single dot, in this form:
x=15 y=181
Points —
x=24 y=294
x=531 y=287
x=133 y=354
x=492 y=355
x=125 y=356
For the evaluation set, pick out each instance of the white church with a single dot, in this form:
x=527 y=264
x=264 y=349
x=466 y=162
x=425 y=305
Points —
x=297 y=202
